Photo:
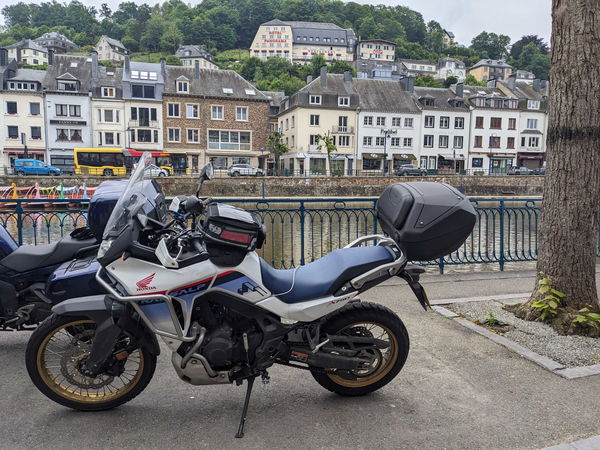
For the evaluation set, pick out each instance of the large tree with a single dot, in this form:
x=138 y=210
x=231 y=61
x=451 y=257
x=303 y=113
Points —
x=517 y=47
x=490 y=45
x=568 y=235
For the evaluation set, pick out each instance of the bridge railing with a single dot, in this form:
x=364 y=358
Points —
x=302 y=230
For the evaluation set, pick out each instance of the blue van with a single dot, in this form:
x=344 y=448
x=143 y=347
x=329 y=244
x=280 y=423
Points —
x=34 y=167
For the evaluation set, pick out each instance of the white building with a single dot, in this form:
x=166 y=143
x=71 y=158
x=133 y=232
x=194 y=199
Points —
x=494 y=129
x=189 y=54
x=415 y=67
x=444 y=130
x=67 y=104
x=108 y=110
x=450 y=67
x=110 y=49
x=388 y=124
x=28 y=52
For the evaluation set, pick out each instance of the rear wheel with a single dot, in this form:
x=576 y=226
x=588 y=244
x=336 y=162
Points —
x=107 y=173
x=366 y=320
x=54 y=355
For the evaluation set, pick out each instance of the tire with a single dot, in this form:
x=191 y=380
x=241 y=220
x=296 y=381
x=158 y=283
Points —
x=53 y=174
x=403 y=174
x=162 y=174
x=361 y=313
x=57 y=391
x=235 y=174
x=20 y=173
x=107 y=173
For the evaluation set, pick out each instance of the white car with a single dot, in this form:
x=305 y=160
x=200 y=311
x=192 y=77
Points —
x=155 y=171
x=245 y=169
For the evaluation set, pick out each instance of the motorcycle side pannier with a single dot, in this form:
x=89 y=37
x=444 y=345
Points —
x=427 y=220
x=230 y=232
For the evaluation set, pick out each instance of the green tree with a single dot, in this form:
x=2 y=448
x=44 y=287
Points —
x=326 y=141
x=171 y=38
x=450 y=81
x=277 y=147
x=470 y=80
x=154 y=31
x=339 y=66
x=434 y=39
x=517 y=47
x=533 y=60
x=427 y=81
x=490 y=45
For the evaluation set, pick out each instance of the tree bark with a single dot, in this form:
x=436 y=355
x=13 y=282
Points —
x=568 y=233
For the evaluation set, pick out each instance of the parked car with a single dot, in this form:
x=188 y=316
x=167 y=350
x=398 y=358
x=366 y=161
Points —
x=410 y=169
x=245 y=169
x=155 y=171
x=520 y=171
x=34 y=167
x=540 y=171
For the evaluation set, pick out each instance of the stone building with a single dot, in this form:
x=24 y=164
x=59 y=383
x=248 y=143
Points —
x=491 y=69
x=214 y=115
x=376 y=50
x=28 y=52
x=110 y=49
x=189 y=54
x=56 y=42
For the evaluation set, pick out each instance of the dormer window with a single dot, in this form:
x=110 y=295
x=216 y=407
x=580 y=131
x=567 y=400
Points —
x=67 y=86
x=343 y=101
x=108 y=92
x=315 y=100
x=533 y=104
x=135 y=74
x=183 y=87
x=427 y=101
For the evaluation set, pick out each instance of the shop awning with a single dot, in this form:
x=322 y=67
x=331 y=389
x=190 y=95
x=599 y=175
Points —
x=531 y=156
x=502 y=157
x=405 y=156
x=451 y=157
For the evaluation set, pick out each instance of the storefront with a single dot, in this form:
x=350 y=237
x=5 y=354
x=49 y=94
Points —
x=451 y=163
x=500 y=164
x=530 y=160
x=402 y=159
x=10 y=154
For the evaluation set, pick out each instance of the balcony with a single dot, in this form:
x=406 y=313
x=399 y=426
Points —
x=342 y=129
x=143 y=123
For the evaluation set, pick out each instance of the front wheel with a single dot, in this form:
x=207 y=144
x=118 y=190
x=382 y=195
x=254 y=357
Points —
x=366 y=320
x=54 y=356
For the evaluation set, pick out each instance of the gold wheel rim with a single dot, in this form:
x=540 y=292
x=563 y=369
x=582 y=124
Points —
x=382 y=371
x=66 y=389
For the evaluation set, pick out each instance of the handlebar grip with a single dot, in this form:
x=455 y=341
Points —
x=207 y=201
x=198 y=246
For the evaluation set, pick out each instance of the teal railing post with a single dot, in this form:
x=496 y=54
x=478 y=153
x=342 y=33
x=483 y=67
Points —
x=19 y=211
x=441 y=265
x=375 y=217
x=501 y=258
x=302 y=211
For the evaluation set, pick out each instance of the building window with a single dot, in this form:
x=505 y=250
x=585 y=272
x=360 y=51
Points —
x=477 y=163
x=478 y=141
x=407 y=142
x=494 y=142
x=367 y=141
x=183 y=87
x=443 y=141
x=395 y=142
x=13 y=132
x=193 y=136
x=108 y=92
x=229 y=140
x=172 y=109
x=510 y=143
x=343 y=101
x=192 y=111
x=372 y=164
x=173 y=135
x=144 y=135
x=108 y=115
x=408 y=122
x=315 y=120
x=241 y=113
x=534 y=141
x=512 y=124
x=459 y=123
x=533 y=104
x=142 y=91
x=313 y=139
x=458 y=142
x=109 y=139
x=381 y=121
x=344 y=141
x=479 y=122
x=396 y=121
x=216 y=112
x=74 y=110
x=532 y=124
x=368 y=120
x=34 y=109
x=36 y=132
x=428 y=141
x=67 y=86
x=380 y=141
x=429 y=121
x=315 y=100
x=11 y=107
x=61 y=110
x=444 y=122
x=496 y=123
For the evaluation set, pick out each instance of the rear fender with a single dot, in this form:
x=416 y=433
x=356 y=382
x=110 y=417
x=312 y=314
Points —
x=411 y=274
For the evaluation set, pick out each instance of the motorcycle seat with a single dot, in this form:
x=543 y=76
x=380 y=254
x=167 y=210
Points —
x=30 y=257
x=324 y=276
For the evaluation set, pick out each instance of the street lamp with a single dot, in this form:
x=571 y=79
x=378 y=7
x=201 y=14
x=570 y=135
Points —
x=387 y=133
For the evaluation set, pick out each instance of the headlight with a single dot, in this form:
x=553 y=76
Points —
x=104 y=247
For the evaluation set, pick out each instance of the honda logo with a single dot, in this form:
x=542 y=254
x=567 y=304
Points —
x=143 y=284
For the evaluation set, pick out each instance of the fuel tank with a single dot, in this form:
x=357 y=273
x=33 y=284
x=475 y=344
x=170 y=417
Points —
x=76 y=278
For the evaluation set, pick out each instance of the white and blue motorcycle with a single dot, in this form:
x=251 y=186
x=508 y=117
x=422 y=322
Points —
x=223 y=312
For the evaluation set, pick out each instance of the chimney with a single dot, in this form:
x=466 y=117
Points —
x=126 y=66
x=323 y=76
x=309 y=79
x=460 y=90
x=196 y=70
x=50 y=57
x=537 y=85
x=95 y=75
x=511 y=82
x=408 y=84
x=3 y=57
x=491 y=83
x=347 y=77
x=163 y=67
x=19 y=55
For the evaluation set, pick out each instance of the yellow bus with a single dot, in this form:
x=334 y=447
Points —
x=118 y=161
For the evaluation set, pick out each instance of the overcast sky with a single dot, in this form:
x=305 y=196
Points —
x=465 y=18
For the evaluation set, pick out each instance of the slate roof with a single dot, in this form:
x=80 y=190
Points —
x=144 y=67
x=440 y=96
x=417 y=61
x=62 y=65
x=29 y=75
x=450 y=34
x=378 y=40
x=335 y=85
x=28 y=44
x=275 y=98
x=114 y=42
x=317 y=30
x=107 y=80
x=196 y=51
x=55 y=35
x=384 y=96
x=211 y=83
x=492 y=63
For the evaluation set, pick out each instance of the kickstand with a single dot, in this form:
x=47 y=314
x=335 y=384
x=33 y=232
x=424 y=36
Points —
x=240 y=433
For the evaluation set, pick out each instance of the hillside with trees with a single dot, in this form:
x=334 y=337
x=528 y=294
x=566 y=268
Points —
x=226 y=25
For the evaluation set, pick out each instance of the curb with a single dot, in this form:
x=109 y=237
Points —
x=555 y=367
x=592 y=443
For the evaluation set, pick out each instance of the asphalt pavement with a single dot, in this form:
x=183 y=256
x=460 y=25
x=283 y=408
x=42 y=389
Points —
x=457 y=390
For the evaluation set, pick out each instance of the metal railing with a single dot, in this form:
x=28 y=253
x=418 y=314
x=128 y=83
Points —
x=303 y=230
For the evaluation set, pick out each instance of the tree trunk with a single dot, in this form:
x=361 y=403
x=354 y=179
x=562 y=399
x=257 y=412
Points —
x=568 y=233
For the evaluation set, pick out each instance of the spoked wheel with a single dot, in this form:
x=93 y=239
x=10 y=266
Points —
x=54 y=358
x=366 y=320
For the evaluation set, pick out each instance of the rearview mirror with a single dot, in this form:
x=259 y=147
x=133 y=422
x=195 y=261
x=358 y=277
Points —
x=207 y=172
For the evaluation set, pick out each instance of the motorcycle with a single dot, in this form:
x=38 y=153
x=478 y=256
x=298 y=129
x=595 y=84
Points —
x=224 y=313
